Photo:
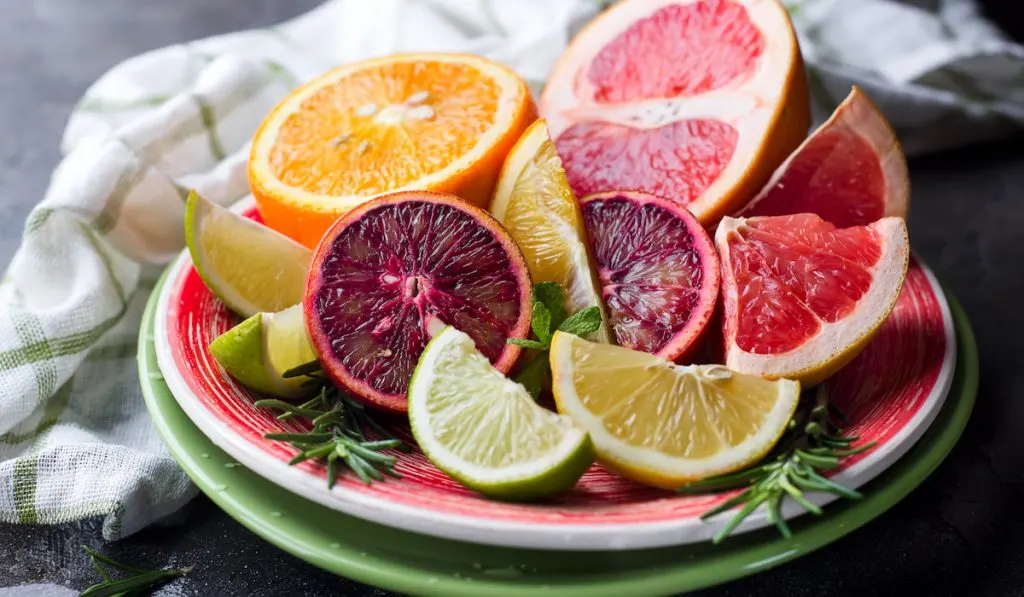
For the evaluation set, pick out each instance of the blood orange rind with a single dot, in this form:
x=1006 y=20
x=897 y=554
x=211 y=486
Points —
x=768 y=109
x=652 y=255
x=858 y=118
x=437 y=277
x=836 y=343
x=304 y=215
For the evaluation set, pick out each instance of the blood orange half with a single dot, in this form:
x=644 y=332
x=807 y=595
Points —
x=395 y=270
x=803 y=297
x=697 y=101
x=657 y=268
x=851 y=171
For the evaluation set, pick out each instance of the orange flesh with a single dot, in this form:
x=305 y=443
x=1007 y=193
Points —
x=351 y=137
x=794 y=273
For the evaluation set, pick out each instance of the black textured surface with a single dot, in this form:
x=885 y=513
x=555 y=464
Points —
x=960 y=533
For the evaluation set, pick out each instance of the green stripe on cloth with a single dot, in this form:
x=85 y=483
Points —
x=97 y=105
x=108 y=262
x=37 y=218
x=282 y=73
x=57 y=347
x=210 y=124
x=105 y=221
x=25 y=470
x=52 y=411
x=37 y=350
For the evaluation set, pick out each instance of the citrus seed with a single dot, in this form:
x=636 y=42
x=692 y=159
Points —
x=366 y=110
x=417 y=98
x=363 y=146
x=420 y=113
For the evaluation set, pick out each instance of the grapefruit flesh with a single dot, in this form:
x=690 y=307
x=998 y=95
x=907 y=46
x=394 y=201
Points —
x=396 y=270
x=802 y=297
x=657 y=269
x=851 y=171
x=696 y=101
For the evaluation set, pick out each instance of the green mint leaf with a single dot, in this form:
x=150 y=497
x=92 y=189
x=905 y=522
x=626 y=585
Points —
x=534 y=375
x=526 y=343
x=540 y=321
x=550 y=293
x=582 y=322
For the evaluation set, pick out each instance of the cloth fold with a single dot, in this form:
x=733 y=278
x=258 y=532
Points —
x=75 y=438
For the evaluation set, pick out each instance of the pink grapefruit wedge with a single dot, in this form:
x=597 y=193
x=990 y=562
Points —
x=696 y=101
x=803 y=297
x=396 y=270
x=851 y=171
x=657 y=270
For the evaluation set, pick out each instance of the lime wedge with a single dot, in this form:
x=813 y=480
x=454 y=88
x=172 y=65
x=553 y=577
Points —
x=259 y=350
x=248 y=266
x=485 y=431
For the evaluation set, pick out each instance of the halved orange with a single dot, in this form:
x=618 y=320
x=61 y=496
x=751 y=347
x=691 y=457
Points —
x=430 y=121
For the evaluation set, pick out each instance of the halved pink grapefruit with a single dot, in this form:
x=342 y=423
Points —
x=397 y=269
x=803 y=297
x=657 y=270
x=696 y=101
x=851 y=171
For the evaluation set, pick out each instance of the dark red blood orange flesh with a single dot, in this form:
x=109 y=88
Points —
x=397 y=269
x=676 y=161
x=793 y=272
x=836 y=175
x=679 y=50
x=658 y=271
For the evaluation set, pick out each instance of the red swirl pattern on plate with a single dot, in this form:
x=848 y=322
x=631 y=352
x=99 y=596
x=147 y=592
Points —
x=880 y=391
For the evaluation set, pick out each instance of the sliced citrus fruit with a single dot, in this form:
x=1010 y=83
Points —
x=657 y=268
x=249 y=267
x=665 y=424
x=802 y=297
x=534 y=202
x=258 y=351
x=486 y=431
x=441 y=122
x=395 y=270
x=697 y=101
x=851 y=171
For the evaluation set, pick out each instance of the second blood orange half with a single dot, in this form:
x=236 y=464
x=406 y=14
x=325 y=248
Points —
x=696 y=101
x=432 y=121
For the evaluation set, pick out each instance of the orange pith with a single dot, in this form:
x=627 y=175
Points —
x=440 y=122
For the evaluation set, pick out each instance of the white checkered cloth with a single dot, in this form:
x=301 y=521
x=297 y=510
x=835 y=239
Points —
x=75 y=438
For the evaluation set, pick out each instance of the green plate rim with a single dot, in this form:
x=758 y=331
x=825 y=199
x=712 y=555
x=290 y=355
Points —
x=290 y=522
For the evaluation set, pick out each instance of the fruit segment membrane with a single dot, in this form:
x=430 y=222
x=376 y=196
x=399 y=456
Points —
x=679 y=51
x=383 y=127
x=837 y=176
x=650 y=269
x=796 y=272
x=402 y=271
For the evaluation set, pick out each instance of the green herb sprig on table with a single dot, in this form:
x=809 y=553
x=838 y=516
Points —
x=139 y=581
x=338 y=434
x=813 y=443
x=548 y=315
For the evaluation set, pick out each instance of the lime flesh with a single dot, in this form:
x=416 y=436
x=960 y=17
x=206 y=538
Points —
x=248 y=266
x=259 y=350
x=485 y=431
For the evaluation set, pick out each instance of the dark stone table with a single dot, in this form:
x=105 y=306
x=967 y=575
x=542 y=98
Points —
x=960 y=533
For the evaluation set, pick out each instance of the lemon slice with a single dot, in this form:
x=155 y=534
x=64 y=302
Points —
x=665 y=424
x=259 y=350
x=249 y=267
x=535 y=203
x=485 y=431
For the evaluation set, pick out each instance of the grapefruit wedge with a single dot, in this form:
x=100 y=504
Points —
x=851 y=171
x=803 y=297
x=696 y=101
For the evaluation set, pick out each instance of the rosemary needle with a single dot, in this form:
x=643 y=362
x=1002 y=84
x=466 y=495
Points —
x=140 y=582
x=338 y=431
x=813 y=443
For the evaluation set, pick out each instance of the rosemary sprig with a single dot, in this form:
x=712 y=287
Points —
x=139 y=582
x=338 y=434
x=813 y=443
